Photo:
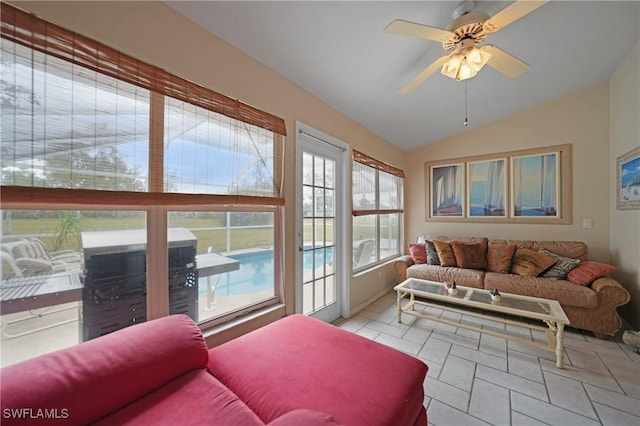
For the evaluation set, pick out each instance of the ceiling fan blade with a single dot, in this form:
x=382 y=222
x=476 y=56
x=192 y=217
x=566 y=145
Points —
x=511 y=13
x=417 y=30
x=423 y=75
x=503 y=62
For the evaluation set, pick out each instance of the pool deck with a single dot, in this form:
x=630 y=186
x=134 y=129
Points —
x=59 y=326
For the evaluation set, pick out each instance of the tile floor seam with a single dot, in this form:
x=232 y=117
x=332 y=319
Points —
x=555 y=406
x=613 y=376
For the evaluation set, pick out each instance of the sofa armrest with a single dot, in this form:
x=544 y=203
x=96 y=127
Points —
x=610 y=291
x=604 y=320
x=400 y=265
x=93 y=379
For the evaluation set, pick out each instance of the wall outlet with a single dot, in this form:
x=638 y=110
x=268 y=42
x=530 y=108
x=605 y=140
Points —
x=587 y=223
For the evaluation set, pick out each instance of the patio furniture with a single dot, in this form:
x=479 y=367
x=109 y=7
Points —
x=31 y=257
x=30 y=293
x=214 y=264
x=363 y=253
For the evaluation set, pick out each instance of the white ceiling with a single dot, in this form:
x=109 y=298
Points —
x=339 y=52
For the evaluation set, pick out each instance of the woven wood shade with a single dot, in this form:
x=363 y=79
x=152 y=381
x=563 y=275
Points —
x=28 y=30
x=376 y=164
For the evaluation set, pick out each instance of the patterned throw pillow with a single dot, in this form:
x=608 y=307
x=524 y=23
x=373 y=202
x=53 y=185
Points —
x=432 y=254
x=445 y=253
x=499 y=257
x=587 y=272
x=418 y=253
x=530 y=263
x=470 y=255
x=561 y=268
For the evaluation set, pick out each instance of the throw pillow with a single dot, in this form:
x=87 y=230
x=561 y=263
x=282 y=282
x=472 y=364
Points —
x=445 y=253
x=418 y=253
x=470 y=255
x=432 y=254
x=587 y=272
x=561 y=268
x=499 y=257
x=530 y=263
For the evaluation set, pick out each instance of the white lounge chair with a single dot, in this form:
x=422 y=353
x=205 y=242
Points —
x=363 y=253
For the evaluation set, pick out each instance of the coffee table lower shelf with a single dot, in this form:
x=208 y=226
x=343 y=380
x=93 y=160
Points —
x=554 y=330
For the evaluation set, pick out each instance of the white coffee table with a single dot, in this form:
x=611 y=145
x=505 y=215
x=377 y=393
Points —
x=548 y=311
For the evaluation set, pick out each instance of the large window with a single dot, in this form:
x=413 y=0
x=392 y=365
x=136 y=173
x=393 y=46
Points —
x=377 y=210
x=152 y=195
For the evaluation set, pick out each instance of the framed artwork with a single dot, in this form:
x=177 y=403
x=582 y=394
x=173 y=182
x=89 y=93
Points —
x=526 y=186
x=487 y=188
x=447 y=190
x=628 y=180
x=535 y=181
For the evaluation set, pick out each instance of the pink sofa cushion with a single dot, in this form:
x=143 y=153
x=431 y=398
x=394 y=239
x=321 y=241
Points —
x=418 y=253
x=587 y=272
x=301 y=362
x=102 y=375
x=195 y=397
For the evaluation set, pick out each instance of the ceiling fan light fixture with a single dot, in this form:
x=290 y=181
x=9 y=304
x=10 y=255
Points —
x=462 y=66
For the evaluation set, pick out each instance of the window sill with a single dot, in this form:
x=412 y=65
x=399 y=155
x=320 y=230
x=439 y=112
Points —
x=230 y=330
x=373 y=267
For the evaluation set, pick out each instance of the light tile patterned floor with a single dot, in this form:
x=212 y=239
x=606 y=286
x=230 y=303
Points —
x=478 y=379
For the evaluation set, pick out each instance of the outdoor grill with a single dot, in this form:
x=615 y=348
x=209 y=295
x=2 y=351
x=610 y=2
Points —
x=115 y=294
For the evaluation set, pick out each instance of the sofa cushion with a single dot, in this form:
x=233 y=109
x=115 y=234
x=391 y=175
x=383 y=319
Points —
x=563 y=291
x=499 y=255
x=445 y=253
x=102 y=375
x=418 y=253
x=587 y=272
x=301 y=362
x=195 y=398
x=470 y=255
x=572 y=249
x=432 y=254
x=561 y=268
x=530 y=263
x=464 y=277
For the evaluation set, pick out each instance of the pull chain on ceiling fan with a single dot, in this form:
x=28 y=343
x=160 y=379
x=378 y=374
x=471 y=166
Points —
x=461 y=37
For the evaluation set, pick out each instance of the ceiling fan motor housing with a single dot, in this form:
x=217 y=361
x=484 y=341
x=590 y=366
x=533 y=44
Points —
x=467 y=26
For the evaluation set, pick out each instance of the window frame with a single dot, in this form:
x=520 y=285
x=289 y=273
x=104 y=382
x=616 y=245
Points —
x=47 y=38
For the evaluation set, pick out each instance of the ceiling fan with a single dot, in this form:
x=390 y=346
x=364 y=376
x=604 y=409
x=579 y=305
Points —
x=461 y=37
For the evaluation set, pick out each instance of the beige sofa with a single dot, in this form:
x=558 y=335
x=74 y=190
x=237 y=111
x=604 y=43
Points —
x=590 y=307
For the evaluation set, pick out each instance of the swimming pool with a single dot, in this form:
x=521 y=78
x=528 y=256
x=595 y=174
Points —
x=256 y=272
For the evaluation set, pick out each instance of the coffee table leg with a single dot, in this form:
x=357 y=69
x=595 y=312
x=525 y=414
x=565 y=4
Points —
x=399 y=306
x=560 y=345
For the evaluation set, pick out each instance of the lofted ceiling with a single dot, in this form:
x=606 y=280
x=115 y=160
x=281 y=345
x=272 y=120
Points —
x=339 y=52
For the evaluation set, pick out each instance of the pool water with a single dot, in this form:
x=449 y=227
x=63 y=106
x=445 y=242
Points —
x=256 y=272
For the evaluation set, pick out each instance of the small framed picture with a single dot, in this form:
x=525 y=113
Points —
x=628 y=180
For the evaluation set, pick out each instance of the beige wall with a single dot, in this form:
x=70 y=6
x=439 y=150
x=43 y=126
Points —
x=580 y=119
x=624 y=89
x=154 y=33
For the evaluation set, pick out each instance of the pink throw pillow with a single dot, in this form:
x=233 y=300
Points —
x=587 y=272
x=418 y=253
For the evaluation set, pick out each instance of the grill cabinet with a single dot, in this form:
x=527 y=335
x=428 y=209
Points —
x=115 y=293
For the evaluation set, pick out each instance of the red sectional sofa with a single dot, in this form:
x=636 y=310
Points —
x=295 y=371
